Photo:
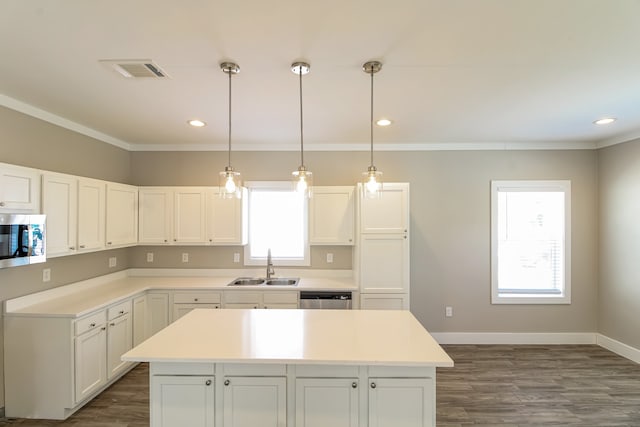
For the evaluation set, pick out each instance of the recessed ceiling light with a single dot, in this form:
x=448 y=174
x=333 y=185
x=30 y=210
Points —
x=605 y=121
x=197 y=123
x=383 y=122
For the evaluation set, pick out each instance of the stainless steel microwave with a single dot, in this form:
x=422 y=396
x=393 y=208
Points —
x=22 y=239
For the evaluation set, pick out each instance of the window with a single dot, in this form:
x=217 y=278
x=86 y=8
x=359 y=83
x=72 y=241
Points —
x=530 y=242
x=277 y=221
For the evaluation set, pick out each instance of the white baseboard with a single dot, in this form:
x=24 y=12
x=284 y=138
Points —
x=617 y=347
x=514 y=338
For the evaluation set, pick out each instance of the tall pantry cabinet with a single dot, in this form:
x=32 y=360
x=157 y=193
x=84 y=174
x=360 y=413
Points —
x=382 y=253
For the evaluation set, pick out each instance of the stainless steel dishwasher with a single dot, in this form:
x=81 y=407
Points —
x=339 y=300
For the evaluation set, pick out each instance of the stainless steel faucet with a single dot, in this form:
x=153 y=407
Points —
x=270 y=271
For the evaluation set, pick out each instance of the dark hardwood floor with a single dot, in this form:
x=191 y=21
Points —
x=490 y=385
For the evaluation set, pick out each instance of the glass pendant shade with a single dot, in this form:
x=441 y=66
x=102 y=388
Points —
x=230 y=181
x=303 y=181
x=372 y=178
x=302 y=178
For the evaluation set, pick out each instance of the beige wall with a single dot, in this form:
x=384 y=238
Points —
x=619 y=292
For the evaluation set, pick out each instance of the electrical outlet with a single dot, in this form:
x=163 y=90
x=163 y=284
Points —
x=113 y=261
x=236 y=257
x=46 y=275
x=448 y=311
x=185 y=257
x=329 y=258
x=149 y=256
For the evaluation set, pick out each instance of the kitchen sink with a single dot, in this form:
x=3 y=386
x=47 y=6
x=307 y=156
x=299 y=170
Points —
x=247 y=281
x=281 y=281
x=260 y=281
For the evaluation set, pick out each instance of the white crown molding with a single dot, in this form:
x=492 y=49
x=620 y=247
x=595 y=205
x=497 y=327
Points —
x=618 y=140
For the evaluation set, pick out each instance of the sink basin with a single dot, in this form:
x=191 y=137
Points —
x=247 y=281
x=283 y=281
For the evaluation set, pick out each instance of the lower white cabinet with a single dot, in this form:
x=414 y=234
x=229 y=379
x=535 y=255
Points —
x=260 y=299
x=255 y=401
x=184 y=302
x=119 y=341
x=324 y=402
x=401 y=402
x=90 y=362
x=384 y=302
x=157 y=312
x=182 y=401
x=139 y=312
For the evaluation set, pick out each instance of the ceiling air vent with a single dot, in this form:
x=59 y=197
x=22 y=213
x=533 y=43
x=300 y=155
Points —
x=136 y=68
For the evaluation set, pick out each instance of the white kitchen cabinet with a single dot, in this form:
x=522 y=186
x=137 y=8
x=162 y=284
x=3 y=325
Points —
x=60 y=205
x=155 y=216
x=388 y=213
x=260 y=299
x=139 y=312
x=122 y=215
x=384 y=261
x=227 y=219
x=158 y=312
x=19 y=189
x=91 y=214
x=401 y=402
x=255 y=401
x=182 y=401
x=384 y=302
x=322 y=402
x=189 y=215
x=331 y=216
x=119 y=337
x=184 y=302
x=90 y=360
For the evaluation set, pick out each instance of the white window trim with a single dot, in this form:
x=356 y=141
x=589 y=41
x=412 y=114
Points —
x=283 y=262
x=537 y=185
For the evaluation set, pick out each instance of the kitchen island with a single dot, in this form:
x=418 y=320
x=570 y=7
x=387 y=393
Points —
x=237 y=368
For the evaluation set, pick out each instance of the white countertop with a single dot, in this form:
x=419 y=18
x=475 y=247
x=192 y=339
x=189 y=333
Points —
x=328 y=337
x=81 y=298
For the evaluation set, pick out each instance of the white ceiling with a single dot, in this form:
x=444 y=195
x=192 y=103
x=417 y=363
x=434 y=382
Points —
x=456 y=74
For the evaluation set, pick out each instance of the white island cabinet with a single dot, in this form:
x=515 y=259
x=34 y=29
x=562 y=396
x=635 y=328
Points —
x=296 y=368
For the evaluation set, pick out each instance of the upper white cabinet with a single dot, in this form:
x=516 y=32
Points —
x=122 y=215
x=155 y=218
x=331 y=216
x=189 y=215
x=227 y=219
x=19 y=189
x=388 y=213
x=91 y=214
x=385 y=263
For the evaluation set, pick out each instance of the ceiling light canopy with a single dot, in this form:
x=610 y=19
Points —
x=605 y=121
x=384 y=122
x=302 y=178
x=372 y=178
x=230 y=181
x=197 y=123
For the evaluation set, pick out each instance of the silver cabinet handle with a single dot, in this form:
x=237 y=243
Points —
x=72 y=248
x=208 y=382
x=109 y=243
x=121 y=312
x=1 y=204
x=104 y=328
x=227 y=382
x=165 y=240
x=354 y=385
x=92 y=325
x=112 y=324
x=195 y=299
x=82 y=246
x=373 y=385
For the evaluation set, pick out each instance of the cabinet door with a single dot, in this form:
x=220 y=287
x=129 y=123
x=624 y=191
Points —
x=60 y=205
x=90 y=362
x=19 y=189
x=119 y=341
x=158 y=312
x=388 y=213
x=155 y=216
x=91 y=214
x=139 y=319
x=384 y=302
x=322 y=402
x=182 y=401
x=401 y=402
x=280 y=305
x=180 y=310
x=255 y=401
x=122 y=215
x=189 y=218
x=241 y=305
x=384 y=263
x=227 y=219
x=331 y=216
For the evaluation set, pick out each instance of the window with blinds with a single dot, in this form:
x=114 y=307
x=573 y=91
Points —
x=530 y=244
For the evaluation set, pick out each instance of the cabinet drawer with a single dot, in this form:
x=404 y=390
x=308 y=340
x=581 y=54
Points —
x=119 y=309
x=271 y=297
x=197 y=297
x=90 y=322
x=242 y=297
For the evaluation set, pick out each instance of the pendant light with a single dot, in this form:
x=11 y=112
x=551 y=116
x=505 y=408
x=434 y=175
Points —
x=302 y=178
x=230 y=181
x=372 y=178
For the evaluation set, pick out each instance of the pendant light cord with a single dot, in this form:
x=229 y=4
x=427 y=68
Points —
x=230 y=119
x=371 y=123
x=301 y=121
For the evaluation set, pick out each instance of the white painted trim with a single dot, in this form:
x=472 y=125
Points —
x=618 y=140
x=46 y=116
x=619 y=348
x=514 y=338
